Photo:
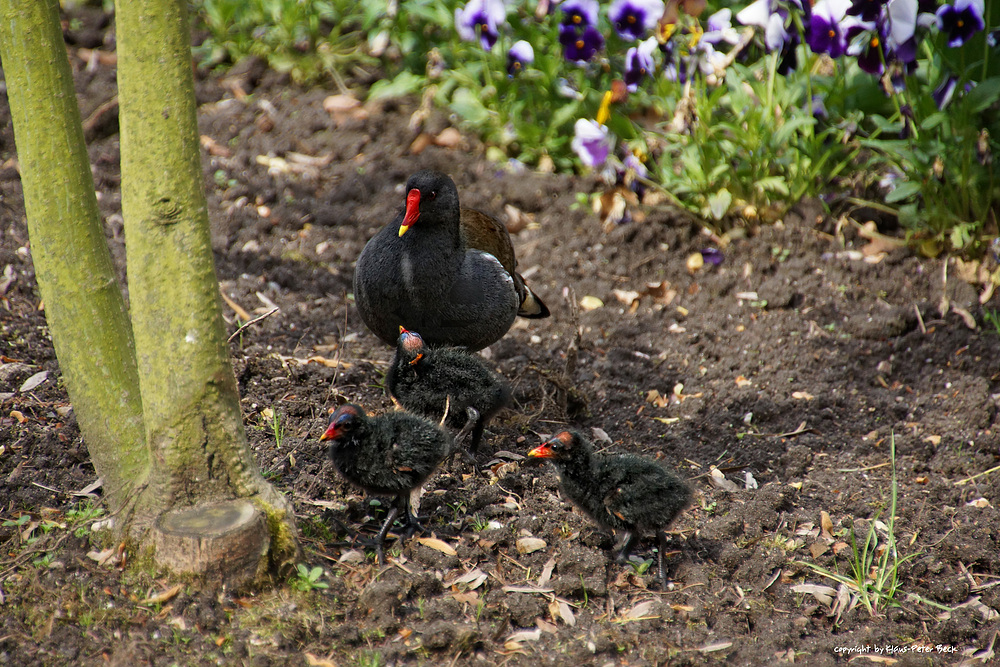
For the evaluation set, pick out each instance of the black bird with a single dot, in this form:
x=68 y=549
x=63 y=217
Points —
x=425 y=380
x=452 y=277
x=621 y=492
x=390 y=455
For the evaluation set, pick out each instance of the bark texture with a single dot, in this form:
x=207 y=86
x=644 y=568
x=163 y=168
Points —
x=84 y=307
x=190 y=399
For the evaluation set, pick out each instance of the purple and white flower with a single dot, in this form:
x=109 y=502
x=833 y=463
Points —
x=825 y=34
x=720 y=28
x=639 y=63
x=592 y=142
x=633 y=19
x=487 y=15
x=579 y=13
x=580 y=45
x=520 y=54
x=961 y=20
x=762 y=14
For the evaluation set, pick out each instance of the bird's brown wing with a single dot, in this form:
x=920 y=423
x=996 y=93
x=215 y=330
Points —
x=486 y=233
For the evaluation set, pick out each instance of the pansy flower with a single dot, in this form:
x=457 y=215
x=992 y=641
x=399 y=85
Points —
x=520 y=54
x=580 y=45
x=961 y=20
x=720 y=28
x=486 y=15
x=591 y=141
x=867 y=10
x=943 y=93
x=825 y=34
x=634 y=18
x=763 y=14
x=579 y=13
x=639 y=63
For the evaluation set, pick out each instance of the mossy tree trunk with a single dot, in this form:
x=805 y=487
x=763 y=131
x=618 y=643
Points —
x=178 y=444
x=83 y=303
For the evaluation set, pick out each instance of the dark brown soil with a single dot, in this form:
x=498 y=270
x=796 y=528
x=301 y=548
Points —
x=804 y=385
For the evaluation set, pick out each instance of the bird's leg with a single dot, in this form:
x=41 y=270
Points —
x=471 y=419
x=380 y=538
x=661 y=537
x=412 y=522
x=471 y=424
x=628 y=540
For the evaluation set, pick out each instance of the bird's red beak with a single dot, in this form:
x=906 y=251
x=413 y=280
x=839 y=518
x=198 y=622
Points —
x=412 y=210
x=331 y=433
x=543 y=451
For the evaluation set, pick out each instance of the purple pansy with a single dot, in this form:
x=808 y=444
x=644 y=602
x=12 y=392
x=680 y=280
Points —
x=487 y=15
x=961 y=20
x=520 y=54
x=633 y=19
x=580 y=45
x=720 y=28
x=639 y=63
x=579 y=13
x=591 y=141
x=825 y=33
x=943 y=93
x=761 y=14
x=867 y=10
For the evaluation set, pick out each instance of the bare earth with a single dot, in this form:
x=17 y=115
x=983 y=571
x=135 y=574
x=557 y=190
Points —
x=794 y=362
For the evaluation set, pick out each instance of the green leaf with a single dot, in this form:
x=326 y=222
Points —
x=719 y=203
x=405 y=83
x=904 y=190
x=983 y=95
x=469 y=107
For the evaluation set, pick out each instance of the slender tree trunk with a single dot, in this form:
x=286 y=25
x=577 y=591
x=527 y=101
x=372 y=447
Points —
x=83 y=303
x=189 y=395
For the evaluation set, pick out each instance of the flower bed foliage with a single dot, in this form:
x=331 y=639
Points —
x=731 y=110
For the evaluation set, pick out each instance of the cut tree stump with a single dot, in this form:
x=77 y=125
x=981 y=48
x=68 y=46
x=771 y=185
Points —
x=224 y=540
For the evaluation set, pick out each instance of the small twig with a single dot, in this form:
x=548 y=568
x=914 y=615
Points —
x=253 y=321
x=866 y=468
x=920 y=320
x=963 y=482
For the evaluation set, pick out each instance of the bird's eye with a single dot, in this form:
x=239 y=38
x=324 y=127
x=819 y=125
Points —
x=433 y=194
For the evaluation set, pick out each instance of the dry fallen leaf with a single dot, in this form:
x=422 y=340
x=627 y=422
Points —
x=817 y=549
x=716 y=646
x=527 y=545
x=823 y=594
x=162 y=596
x=33 y=381
x=743 y=382
x=978 y=502
x=591 y=303
x=437 y=545
x=802 y=396
x=694 y=262
x=826 y=525
x=638 y=613
x=719 y=480
x=314 y=661
x=933 y=439
x=469 y=581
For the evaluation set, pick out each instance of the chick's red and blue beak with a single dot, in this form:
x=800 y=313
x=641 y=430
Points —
x=336 y=427
x=412 y=210
x=543 y=451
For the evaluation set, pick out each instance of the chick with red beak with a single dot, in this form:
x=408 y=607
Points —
x=391 y=455
x=621 y=492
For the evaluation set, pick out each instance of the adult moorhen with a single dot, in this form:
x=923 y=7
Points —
x=451 y=277
x=425 y=380
x=622 y=492
x=390 y=455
